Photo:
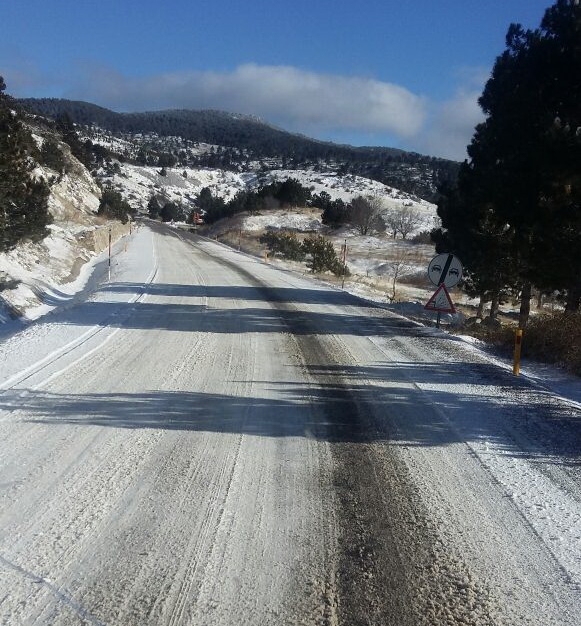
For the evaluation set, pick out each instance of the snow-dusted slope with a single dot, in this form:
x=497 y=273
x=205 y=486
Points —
x=139 y=183
x=38 y=276
x=182 y=185
x=76 y=235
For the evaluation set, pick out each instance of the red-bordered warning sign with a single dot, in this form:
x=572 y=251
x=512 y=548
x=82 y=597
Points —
x=441 y=301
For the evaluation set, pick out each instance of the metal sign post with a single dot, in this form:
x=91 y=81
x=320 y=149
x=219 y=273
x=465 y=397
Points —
x=109 y=265
x=444 y=271
x=440 y=302
x=344 y=254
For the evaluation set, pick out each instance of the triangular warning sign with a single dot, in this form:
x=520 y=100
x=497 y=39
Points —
x=440 y=301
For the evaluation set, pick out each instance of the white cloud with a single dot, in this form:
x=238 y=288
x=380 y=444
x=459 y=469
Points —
x=348 y=109
x=451 y=123
x=296 y=99
x=452 y=126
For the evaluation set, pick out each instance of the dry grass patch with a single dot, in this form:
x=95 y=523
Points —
x=555 y=338
x=549 y=338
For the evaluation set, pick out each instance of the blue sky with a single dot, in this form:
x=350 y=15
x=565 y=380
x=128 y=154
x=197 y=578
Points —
x=373 y=72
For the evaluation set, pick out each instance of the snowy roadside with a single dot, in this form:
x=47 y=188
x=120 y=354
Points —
x=491 y=424
x=368 y=254
x=544 y=377
x=525 y=432
x=46 y=331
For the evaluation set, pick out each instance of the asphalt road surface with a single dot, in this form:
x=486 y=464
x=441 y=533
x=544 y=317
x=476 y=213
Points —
x=208 y=440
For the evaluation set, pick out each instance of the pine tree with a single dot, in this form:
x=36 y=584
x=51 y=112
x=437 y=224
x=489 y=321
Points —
x=292 y=193
x=533 y=103
x=114 y=207
x=322 y=256
x=471 y=231
x=525 y=158
x=23 y=197
x=153 y=207
x=52 y=156
x=66 y=127
x=170 y=212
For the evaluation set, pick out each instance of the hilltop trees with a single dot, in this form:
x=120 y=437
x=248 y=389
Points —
x=66 y=127
x=518 y=200
x=272 y=196
x=23 y=196
x=253 y=141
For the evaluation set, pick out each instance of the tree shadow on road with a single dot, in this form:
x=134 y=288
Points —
x=298 y=295
x=410 y=404
x=277 y=315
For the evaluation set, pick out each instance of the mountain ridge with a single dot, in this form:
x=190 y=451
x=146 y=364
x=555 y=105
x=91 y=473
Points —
x=86 y=113
x=250 y=139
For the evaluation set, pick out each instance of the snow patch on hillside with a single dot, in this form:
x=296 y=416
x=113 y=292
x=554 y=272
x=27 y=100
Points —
x=283 y=220
x=138 y=184
x=74 y=196
x=183 y=185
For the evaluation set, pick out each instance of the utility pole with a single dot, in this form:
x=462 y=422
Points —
x=344 y=250
x=109 y=265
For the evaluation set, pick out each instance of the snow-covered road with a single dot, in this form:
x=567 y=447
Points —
x=210 y=440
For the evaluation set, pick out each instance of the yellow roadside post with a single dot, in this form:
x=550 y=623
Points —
x=517 y=349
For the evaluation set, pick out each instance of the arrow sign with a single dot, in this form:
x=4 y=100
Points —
x=440 y=301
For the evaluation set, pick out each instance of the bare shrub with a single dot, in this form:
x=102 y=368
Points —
x=404 y=221
x=365 y=214
x=398 y=266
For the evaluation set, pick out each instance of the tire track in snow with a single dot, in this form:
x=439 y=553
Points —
x=61 y=595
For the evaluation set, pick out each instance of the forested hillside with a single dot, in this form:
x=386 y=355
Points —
x=242 y=139
x=23 y=191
